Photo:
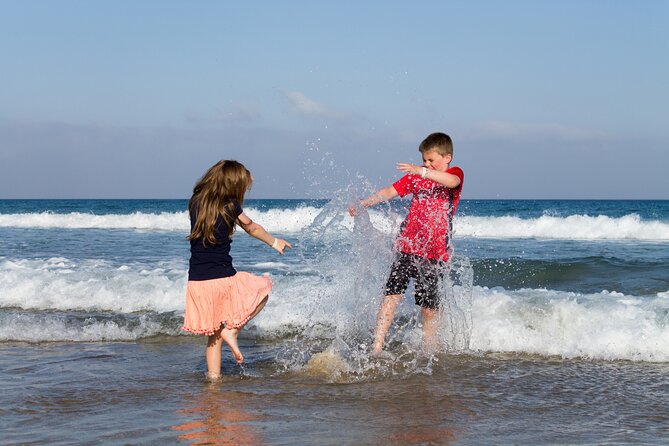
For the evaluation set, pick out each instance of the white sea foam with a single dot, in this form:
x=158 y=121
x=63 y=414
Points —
x=60 y=300
x=281 y=220
x=573 y=227
x=57 y=328
x=605 y=326
x=92 y=285
x=164 y=221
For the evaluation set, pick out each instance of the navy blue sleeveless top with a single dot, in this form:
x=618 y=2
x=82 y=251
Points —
x=212 y=262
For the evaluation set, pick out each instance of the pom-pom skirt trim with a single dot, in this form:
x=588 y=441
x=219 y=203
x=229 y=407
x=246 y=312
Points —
x=228 y=301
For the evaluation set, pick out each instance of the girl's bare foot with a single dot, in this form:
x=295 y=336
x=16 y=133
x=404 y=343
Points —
x=229 y=335
x=213 y=377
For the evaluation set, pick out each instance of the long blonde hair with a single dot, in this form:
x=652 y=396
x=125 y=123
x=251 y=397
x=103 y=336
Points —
x=214 y=195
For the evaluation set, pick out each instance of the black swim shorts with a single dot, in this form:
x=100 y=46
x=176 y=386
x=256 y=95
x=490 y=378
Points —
x=426 y=274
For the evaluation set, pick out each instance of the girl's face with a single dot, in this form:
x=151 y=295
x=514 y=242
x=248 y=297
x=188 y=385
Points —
x=434 y=160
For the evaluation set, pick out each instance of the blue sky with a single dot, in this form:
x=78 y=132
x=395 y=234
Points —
x=136 y=99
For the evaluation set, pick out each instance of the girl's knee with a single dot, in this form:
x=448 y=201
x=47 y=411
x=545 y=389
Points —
x=215 y=338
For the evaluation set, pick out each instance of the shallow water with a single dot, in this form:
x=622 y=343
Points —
x=154 y=392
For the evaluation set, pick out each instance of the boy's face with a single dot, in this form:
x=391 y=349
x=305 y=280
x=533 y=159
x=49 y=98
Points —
x=434 y=160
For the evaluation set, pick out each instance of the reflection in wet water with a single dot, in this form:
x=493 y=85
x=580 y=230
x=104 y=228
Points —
x=219 y=416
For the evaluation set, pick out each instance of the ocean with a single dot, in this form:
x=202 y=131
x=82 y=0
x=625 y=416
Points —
x=555 y=328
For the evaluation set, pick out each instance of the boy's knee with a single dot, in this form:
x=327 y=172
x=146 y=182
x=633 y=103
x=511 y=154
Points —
x=429 y=313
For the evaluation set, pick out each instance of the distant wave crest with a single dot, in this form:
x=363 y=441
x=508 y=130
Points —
x=573 y=227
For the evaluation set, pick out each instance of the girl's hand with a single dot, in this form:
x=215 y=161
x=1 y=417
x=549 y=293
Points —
x=409 y=168
x=280 y=245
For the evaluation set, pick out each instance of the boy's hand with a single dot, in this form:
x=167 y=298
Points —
x=409 y=168
x=353 y=210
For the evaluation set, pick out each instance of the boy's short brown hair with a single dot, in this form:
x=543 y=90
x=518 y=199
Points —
x=439 y=142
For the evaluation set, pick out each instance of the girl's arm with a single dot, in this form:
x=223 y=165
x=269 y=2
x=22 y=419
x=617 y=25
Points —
x=255 y=230
x=385 y=194
x=446 y=179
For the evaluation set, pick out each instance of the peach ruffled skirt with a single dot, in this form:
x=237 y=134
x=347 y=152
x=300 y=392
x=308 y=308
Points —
x=228 y=301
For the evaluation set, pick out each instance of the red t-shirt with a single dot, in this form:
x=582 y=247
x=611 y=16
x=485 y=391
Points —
x=427 y=228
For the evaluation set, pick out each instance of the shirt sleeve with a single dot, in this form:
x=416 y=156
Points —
x=404 y=186
x=233 y=211
x=458 y=173
x=237 y=209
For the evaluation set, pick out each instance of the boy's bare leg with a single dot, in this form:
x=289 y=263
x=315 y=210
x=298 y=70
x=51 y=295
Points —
x=384 y=319
x=431 y=320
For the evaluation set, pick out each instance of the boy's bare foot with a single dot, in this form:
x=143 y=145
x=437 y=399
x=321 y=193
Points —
x=430 y=346
x=229 y=335
x=381 y=354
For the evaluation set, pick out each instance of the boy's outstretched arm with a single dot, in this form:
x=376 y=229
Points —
x=446 y=179
x=385 y=194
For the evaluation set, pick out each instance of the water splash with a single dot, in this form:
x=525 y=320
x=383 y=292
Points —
x=456 y=304
x=353 y=265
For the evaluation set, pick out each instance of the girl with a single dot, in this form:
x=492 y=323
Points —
x=220 y=300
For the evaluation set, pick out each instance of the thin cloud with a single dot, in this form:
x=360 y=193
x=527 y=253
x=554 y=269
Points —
x=300 y=103
x=240 y=113
x=234 y=113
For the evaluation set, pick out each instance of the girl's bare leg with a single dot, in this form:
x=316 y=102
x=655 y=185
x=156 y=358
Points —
x=431 y=320
x=384 y=319
x=259 y=308
x=229 y=335
x=213 y=355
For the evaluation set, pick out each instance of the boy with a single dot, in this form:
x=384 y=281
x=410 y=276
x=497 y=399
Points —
x=423 y=244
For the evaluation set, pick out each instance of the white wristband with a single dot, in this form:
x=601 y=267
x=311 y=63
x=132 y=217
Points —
x=423 y=172
x=276 y=243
